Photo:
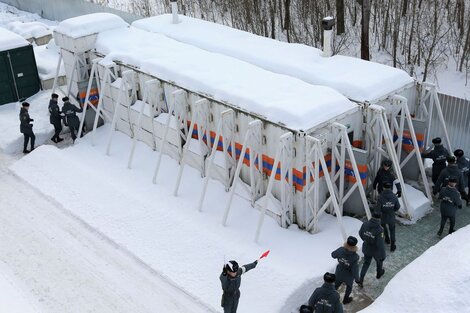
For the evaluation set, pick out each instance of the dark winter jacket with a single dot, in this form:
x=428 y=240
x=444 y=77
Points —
x=231 y=286
x=347 y=269
x=54 y=112
x=25 y=122
x=439 y=155
x=464 y=164
x=373 y=236
x=387 y=204
x=450 y=201
x=70 y=114
x=449 y=171
x=325 y=299
x=384 y=176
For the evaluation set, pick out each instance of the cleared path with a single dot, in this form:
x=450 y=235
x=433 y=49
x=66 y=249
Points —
x=64 y=266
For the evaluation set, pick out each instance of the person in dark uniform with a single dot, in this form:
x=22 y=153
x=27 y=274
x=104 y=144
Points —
x=373 y=247
x=439 y=155
x=385 y=174
x=326 y=299
x=55 y=118
x=347 y=270
x=231 y=280
x=26 y=128
x=464 y=165
x=452 y=170
x=450 y=202
x=71 y=117
x=387 y=205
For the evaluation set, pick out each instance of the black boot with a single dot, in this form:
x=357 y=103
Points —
x=347 y=300
x=26 y=151
x=387 y=240
x=393 y=247
x=380 y=274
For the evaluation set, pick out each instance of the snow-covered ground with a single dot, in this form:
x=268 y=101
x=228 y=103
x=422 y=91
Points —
x=437 y=281
x=170 y=235
x=12 y=298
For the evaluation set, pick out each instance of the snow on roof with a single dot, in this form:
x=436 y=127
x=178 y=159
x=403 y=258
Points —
x=89 y=24
x=357 y=79
x=10 y=40
x=29 y=29
x=279 y=98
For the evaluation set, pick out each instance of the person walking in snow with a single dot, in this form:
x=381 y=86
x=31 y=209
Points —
x=325 y=298
x=230 y=278
x=385 y=174
x=387 y=205
x=439 y=155
x=347 y=270
x=464 y=165
x=71 y=117
x=452 y=170
x=373 y=247
x=26 y=128
x=450 y=202
x=55 y=118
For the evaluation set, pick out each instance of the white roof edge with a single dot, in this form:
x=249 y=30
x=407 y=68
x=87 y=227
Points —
x=10 y=40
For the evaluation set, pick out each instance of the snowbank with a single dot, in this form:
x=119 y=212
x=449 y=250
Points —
x=10 y=40
x=437 y=281
x=357 y=79
x=279 y=98
x=419 y=204
x=12 y=297
x=89 y=24
x=11 y=140
x=29 y=29
x=170 y=235
x=47 y=57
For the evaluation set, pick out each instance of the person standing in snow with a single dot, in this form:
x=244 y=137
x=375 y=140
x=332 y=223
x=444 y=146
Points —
x=373 y=247
x=464 y=165
x=450 y=202
x=387 y=205
x=230 y=278
x=26 y=128
x=439 y=155
x=55 y=118
x=326 y=299
x=385 y=174
x=452 y=170
x=347 y=270
x=71 y=117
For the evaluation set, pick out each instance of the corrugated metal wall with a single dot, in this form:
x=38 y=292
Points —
x=456 y=113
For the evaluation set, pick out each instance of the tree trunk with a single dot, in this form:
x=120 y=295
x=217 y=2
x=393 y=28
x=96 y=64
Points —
x=365 y=30
x=339 y=17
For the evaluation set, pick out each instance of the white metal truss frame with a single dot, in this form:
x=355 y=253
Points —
x=200 y=117
x=127 y=83
x=339 y=156
x=401 y=117
x=176 y=109
x=79 y=60
x=225 y=123
x=284 y=155
x=314 y=158
x=426 y=111
x=253 y=142
x=378 y=133
x=149 y=88
x=95 y=75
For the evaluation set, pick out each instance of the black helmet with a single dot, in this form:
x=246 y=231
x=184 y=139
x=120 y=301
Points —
x=25 y=104
x=437 y=141
x=352 y=241
x=232 y=266
x=452 y=179
x=387 y=162
x=458 y=153
x=329 y=278
x=306 y=309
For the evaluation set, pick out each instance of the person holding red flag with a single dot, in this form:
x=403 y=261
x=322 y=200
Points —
x=230 y=278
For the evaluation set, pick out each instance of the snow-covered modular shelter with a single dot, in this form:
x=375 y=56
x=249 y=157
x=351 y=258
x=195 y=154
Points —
x=369 y=84
x=18 y=72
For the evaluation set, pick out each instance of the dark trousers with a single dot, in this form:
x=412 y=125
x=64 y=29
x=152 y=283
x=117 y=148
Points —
x=365 y=266
x=73 y=131
x=57 y=130
x=436 y=171
x=230 y=305
x=348 y=288
x=444 y=221
x=391 y=227
x=27 y=136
